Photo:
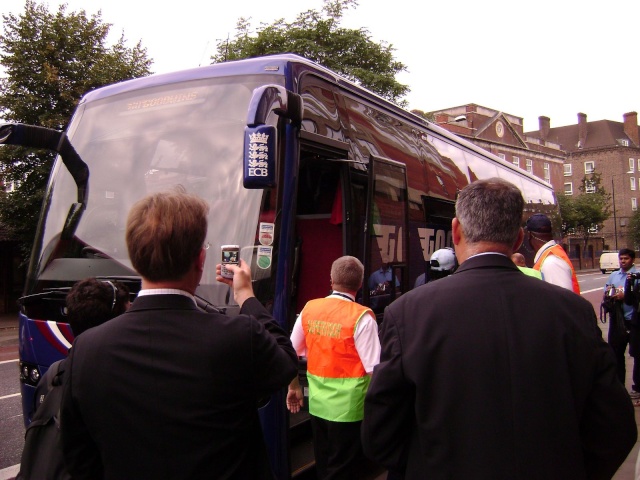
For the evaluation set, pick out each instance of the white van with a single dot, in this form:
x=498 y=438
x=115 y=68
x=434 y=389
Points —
x=609 y=261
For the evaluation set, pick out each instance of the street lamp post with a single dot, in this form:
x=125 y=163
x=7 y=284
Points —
x=615 y=220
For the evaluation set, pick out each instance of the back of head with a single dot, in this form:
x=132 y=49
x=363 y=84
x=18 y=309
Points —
x=490 y=211
x=165 y=233
x=92 y=302
x=540 y=224
x=347 y=272
x=519 y=259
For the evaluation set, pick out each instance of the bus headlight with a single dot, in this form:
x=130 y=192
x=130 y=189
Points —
x=29 y=373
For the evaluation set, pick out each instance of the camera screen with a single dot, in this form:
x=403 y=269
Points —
x=230 y=256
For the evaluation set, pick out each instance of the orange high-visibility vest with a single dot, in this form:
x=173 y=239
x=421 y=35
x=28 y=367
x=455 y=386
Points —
x=337 y=378
x=559 y=252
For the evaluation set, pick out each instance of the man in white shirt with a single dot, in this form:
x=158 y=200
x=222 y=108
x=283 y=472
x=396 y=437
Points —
x=551 y=259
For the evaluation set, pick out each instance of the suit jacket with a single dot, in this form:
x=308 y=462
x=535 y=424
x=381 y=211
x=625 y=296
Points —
x=492 y=374
x=166 y=391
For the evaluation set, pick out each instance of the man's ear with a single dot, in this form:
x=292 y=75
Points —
x=528 y=239
x=456 y=231
x=202 y=256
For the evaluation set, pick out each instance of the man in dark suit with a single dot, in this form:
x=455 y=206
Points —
x=167 y=391
x=492 y=374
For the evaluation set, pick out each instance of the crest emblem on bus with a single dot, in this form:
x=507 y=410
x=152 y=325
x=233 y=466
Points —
x=259 y=156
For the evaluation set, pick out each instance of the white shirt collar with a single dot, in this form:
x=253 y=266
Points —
x=165 y=291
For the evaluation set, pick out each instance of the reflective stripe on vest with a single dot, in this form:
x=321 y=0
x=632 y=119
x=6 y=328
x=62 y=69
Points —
x=559 y=252
x=337 y=379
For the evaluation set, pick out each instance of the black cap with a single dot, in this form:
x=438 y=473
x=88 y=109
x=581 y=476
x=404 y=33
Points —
x=539 y=222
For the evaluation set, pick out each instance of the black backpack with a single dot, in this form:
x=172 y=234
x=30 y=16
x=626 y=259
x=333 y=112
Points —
x=42 y=454
x=608 y=304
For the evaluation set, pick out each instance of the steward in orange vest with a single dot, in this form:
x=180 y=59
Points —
x=339 y=337
x=559 y=252
x=540 y=236
x=337 y=378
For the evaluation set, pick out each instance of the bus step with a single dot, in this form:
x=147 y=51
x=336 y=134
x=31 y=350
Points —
x=301 y=441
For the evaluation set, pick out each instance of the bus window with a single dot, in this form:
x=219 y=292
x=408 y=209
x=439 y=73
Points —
x=387 y=233
x=436 y=235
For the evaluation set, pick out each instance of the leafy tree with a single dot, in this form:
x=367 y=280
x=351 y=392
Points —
x=318 y=36
x=50 y=61
x=584 y=214
x=426 y=115
x=634 y=228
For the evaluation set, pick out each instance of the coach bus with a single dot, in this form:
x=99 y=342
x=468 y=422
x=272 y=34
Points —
x=299 y=165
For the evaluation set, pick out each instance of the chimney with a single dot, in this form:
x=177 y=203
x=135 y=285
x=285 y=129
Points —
x=544 y=123
x=582 y=129
x=631 y=127
x=442 y=118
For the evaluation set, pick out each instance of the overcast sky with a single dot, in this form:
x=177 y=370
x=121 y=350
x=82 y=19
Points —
x=549 y=57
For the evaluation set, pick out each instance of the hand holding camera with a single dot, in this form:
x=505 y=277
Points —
x=230 y=256
x=235 y=272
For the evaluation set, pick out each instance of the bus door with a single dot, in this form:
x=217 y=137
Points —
x=386 y=234
x=319 y=241
x=319 y=217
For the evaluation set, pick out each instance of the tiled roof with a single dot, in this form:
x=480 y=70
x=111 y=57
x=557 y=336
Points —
x=600 y=134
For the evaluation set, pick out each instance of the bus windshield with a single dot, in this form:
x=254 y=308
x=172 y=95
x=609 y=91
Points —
x=146 y=140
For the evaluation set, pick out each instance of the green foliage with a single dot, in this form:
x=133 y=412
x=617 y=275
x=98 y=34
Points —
x=318 y=36
x=584 y=214
x=50 y=60
x=423 y=114
x=634 y=228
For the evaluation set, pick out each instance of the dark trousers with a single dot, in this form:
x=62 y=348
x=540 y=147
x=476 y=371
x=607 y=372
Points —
x=630 y=335
x=337 y=449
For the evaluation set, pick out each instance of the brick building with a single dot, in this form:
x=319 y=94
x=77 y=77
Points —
x=502 y=134
x=563 y=156
x=611 y=149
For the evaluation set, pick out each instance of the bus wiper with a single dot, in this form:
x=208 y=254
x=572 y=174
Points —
x=48 y=294
x=41 y=137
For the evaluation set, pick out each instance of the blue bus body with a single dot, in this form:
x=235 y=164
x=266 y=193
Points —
x=350 y=173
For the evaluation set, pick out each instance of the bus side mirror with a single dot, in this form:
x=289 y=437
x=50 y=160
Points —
x=259 y=158
x=40 y=137
x=276 y=99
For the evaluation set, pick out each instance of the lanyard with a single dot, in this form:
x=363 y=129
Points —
x=343 y=295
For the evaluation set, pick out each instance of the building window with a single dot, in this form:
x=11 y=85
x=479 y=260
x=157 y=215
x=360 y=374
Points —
x=516 y=161
x=567 y=169
x=634 y=204
x=589 y=167
x=529 y=166
x=568 y=188
x=589 y=186
x=547 y=173
x=633 y=183
x=502 y=156
x=632 y=165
